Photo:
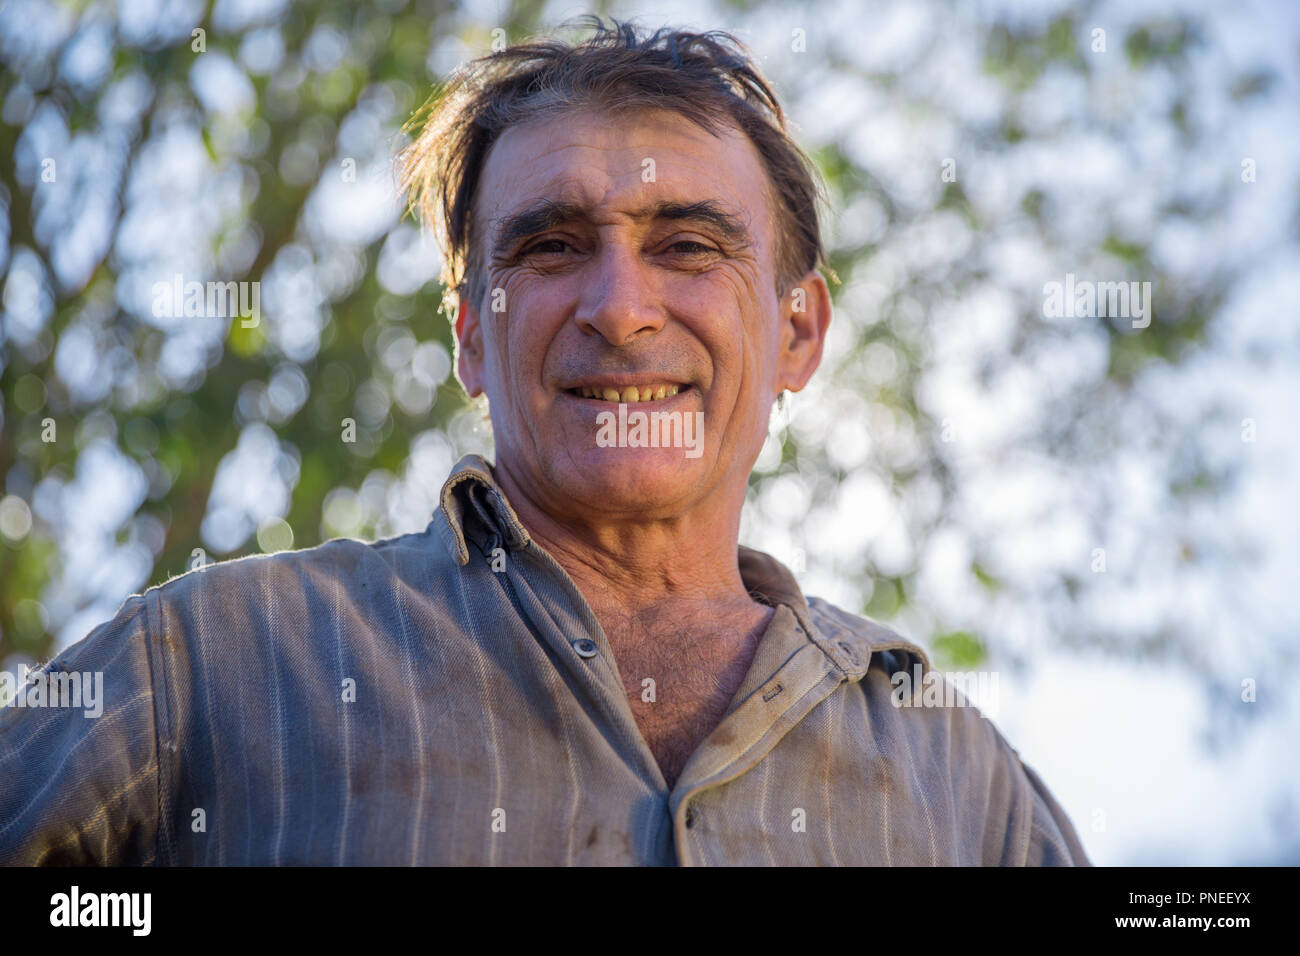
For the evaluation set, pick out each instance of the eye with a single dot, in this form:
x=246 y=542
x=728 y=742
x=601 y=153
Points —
x=546 y=247
x=692 y=248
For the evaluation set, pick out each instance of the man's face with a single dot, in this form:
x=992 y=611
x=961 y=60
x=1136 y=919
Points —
x=636 y=254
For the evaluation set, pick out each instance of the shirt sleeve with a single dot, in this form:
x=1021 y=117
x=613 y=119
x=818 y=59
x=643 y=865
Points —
x=79 y=784
x=1052 y=838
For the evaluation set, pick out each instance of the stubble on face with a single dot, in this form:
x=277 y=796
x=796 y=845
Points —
x=598 y=292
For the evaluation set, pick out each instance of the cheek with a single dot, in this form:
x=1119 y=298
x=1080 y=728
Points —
x=504 y=302
x=523 y=334
x=746 y=340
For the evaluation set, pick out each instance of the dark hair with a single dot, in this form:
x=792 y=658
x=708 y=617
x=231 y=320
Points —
x=709 y=78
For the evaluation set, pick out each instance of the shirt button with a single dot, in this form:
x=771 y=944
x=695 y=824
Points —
x=586 y=647
x=690 y=817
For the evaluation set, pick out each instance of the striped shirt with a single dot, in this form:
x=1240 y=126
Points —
x=448 y=697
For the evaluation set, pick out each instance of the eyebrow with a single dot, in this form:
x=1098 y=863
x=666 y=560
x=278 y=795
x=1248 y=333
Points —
x=549 y=213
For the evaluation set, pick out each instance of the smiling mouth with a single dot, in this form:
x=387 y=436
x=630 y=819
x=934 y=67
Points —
x=626 y=394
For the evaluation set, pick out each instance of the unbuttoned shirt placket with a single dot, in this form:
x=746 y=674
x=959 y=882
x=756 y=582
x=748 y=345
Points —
x=751 y=728
x=564 y=627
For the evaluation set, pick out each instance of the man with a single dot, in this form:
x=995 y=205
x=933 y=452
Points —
x=575 y=663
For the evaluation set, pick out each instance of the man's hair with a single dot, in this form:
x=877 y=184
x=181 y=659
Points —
x=708 y=78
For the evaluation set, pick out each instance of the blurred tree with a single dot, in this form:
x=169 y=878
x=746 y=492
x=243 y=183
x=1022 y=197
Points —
x=214 y=144
x=146 y=141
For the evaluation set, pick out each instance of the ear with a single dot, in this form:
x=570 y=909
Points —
x=805 y=315
x=469 y=350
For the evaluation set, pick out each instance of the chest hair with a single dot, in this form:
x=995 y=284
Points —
x=681 y=674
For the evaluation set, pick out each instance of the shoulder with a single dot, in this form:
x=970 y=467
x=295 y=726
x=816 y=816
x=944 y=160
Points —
x=283 y=575
x=246 y=610
x=936 y=724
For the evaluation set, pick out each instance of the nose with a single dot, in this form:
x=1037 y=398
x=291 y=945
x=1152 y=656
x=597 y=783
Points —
x=620 y=300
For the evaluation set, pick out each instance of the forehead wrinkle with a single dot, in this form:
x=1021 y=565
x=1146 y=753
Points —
x=585 y=193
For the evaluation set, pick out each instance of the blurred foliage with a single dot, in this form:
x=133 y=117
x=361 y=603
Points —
x=179 y=435
x=960 y=650
x=1058 y=93
x=282 y=92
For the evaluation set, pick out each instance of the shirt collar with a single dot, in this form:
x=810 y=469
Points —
x=475 y=509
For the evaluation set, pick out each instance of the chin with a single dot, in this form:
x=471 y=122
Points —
x=633 y=480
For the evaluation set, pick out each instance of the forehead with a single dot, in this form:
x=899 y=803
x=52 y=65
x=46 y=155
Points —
x=613 y=164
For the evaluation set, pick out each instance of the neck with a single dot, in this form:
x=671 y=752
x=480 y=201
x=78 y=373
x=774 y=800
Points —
x=638 y=565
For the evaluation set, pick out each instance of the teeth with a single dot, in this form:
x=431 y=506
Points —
x=629 y=394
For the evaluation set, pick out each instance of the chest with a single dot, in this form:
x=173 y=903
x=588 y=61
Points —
x=451 y=756
x=678 y=699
